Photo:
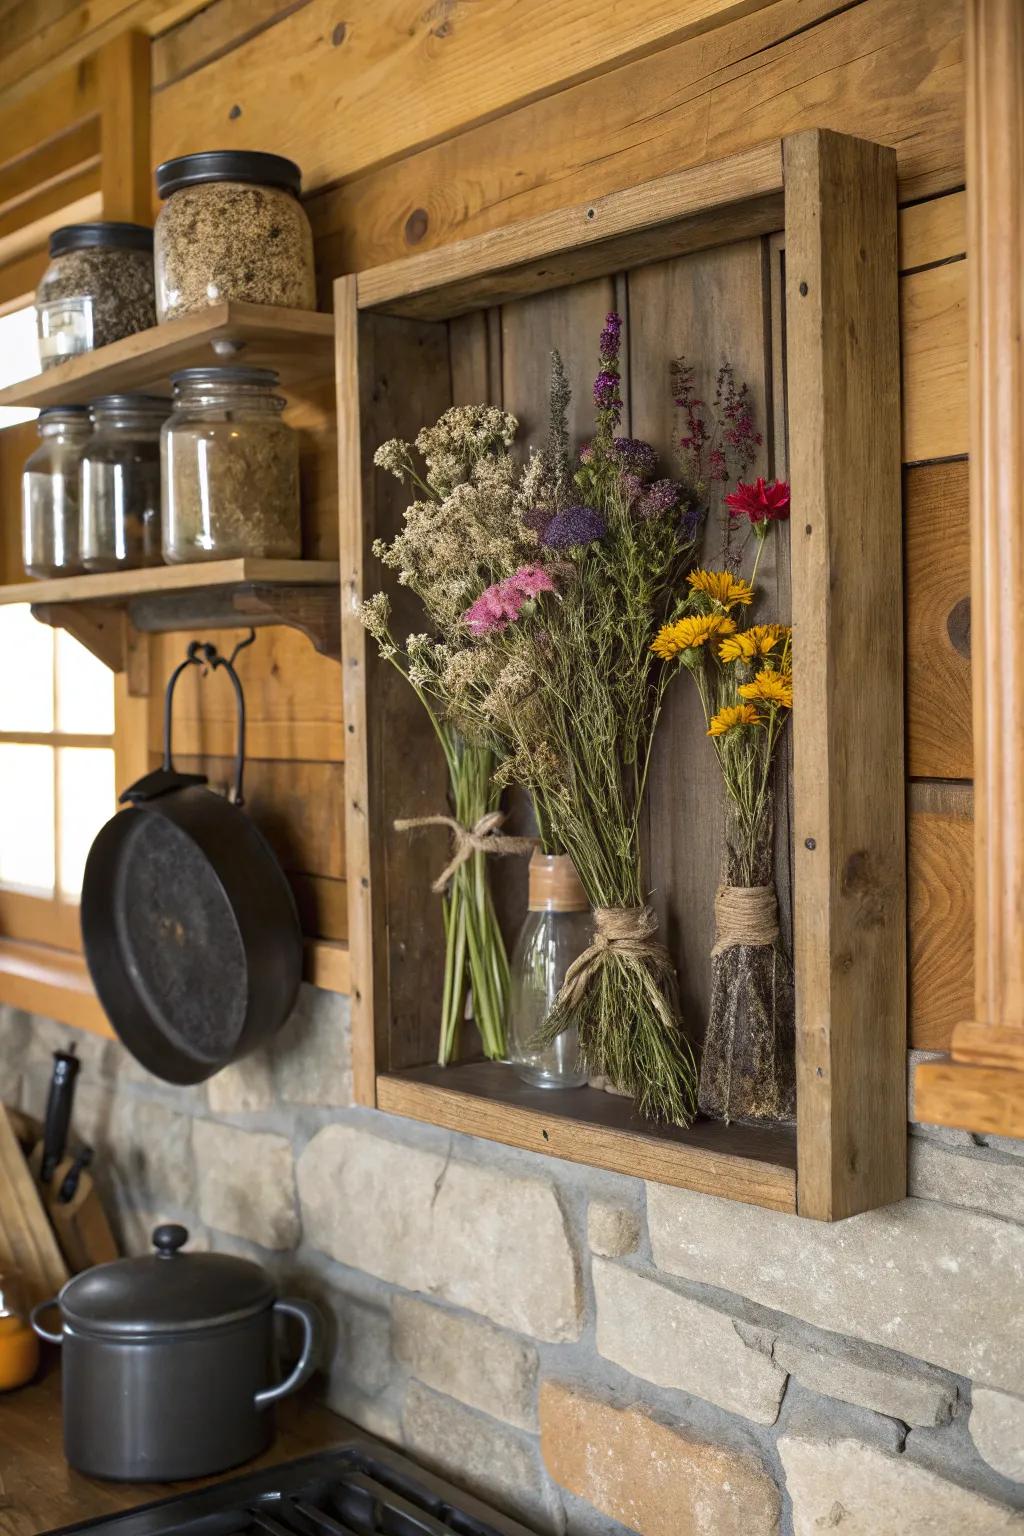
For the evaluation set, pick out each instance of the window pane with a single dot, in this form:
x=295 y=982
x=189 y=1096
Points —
x=86 y=779
x=26 y=675
x=85 y=690
x=19 y=359
x=26 y=817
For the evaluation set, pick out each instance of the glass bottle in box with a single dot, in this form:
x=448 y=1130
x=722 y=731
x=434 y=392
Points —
x=557 y=929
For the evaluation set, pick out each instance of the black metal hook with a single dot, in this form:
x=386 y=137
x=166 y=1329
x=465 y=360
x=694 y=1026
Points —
x=205 y=656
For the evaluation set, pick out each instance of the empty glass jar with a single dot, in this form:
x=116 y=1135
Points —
x=120 y=525
x=50 y=503
x=230 y=468
x=557 y=929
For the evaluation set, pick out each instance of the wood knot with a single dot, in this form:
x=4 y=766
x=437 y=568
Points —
x=958 y=628
x=866 y=886
x=416 y=226
x=339 y=34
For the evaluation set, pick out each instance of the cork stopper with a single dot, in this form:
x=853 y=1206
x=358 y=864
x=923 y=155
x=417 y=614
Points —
x=554 y=885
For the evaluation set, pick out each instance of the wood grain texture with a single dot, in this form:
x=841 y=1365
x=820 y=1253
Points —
x=438 y=72
x=394 y=375
x=748 y=1163
x=28 y=1247
x=292 y=697
x=989 y=1100
x=938 y=614
x=850 y=906
x=52 y=983
x=933 y=231
x=125 y=175
x=888 y=69
x=933 y=332
x=670 y=216
x=113 y=587
x=39 y=36
x=940 y=906
x=297 y=343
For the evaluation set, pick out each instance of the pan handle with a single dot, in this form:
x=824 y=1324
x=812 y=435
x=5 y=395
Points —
x=203 y=654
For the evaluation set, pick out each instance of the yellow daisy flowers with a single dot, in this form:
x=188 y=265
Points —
x=733 y=718
x=758 y=640
x=770 y=687
x=689 y=633
x=722 y=587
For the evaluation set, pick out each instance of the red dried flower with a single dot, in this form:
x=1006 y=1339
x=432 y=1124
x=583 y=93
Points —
x=760 y=502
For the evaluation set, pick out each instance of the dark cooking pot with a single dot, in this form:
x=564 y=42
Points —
x=169 y=1362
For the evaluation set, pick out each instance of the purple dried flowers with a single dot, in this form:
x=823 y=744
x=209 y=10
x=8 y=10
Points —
x=635 y=457
x=502 y=603
x=573 y=527
x=657 y=498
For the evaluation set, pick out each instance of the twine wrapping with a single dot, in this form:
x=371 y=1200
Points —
x=483 y=837
x=745 y=914
x=624 y=931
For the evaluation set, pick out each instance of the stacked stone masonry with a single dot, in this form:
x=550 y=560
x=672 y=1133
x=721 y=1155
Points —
x=593 y=1355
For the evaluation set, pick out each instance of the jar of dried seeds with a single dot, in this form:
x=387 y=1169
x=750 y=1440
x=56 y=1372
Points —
x=97 y=288
x=230 y=468
x=50 y=492
x=232 y=227
x=120 y=526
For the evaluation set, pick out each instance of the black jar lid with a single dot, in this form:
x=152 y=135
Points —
x=63 y=410
x=165 y=1292
x=268 y=378
x=228 y=165
x=154 y=404
x=104 y=235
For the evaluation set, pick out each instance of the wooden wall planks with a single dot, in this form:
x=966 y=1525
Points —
x=890 y=70
x=938 y=582
x=940 y=847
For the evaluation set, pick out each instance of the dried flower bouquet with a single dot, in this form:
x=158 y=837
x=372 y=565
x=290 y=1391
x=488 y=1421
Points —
x=744 y=677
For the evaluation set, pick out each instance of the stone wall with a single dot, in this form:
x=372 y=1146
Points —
x=589 y=1353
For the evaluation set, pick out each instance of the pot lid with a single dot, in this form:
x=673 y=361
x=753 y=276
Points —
x=165 y=1292
x=104 y=234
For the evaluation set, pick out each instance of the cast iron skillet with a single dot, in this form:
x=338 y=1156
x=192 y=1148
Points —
x=188 y=922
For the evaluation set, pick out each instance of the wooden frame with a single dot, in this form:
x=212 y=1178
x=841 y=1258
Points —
x=981 y=1088
x=835 y=200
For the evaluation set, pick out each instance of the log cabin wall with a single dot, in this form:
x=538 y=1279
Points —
x=416 y=124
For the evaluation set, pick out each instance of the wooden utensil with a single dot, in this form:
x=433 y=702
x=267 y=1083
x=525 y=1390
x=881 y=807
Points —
x=80 y=1223
x=28 y=1246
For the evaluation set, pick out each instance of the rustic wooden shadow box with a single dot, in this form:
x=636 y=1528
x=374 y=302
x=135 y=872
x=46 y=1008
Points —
x=784 y=260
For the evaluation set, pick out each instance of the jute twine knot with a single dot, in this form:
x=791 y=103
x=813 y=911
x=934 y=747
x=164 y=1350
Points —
x=625 y=931
x=745 y=914
x=482 y=837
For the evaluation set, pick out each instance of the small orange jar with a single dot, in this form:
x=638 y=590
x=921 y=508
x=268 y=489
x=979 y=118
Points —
x=19 y=1347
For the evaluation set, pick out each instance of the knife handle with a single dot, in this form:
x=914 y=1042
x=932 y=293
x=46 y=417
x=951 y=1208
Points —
x=58 y=1111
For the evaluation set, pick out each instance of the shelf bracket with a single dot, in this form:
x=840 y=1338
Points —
x=314 y=610
x=97 y=626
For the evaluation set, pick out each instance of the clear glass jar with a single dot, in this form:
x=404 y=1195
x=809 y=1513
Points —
x=97 y=288
x=120 y=524
x=232 y=227
x=230 y=468
x=557 y=929
x=50 y=492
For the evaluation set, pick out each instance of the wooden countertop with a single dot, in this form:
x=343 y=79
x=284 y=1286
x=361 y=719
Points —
x=39 y=1491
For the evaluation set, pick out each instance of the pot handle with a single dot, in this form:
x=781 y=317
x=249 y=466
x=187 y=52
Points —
x=309 y=1317
x=44 y=1333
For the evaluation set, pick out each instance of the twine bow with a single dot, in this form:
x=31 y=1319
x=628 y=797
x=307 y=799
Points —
x=625 y=931
x=482 y=837
x=745 y=914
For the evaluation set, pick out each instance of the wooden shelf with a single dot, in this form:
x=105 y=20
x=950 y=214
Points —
x=755 y=1164
x=298 y=343
x=104 y=611
x=121 y=586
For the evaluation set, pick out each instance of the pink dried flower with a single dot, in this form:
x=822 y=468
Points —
x=500 y=604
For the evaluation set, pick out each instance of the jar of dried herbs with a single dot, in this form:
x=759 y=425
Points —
x=230 y=468
x=50 y=492
x=97 y=289
x=232 y=227
x=120 y=524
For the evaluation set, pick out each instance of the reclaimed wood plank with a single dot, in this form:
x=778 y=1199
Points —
x=937 y=578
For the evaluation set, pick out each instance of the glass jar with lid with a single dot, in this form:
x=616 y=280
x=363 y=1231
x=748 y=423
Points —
x=232 y=227
x=230 y=468
x=50 y=492
x=120 y=493
x=97 y=289
x=557 y=929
